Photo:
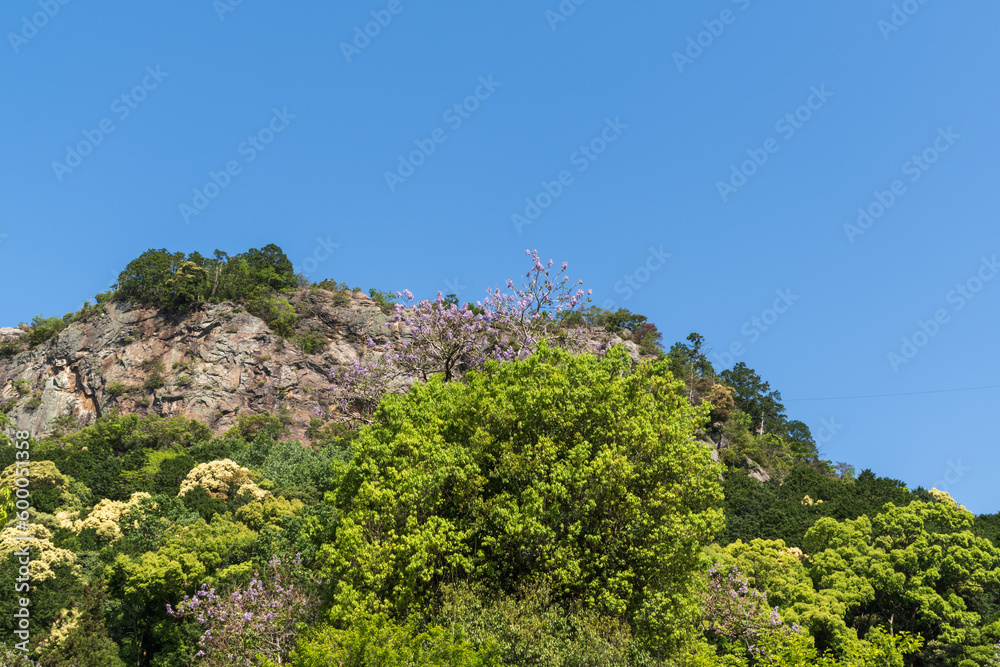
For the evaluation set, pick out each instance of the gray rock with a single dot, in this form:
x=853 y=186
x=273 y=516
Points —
x=218 y=362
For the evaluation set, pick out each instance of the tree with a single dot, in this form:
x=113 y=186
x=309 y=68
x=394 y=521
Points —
x=187 y=286
x=377 y=640
x=269 y=267
x=79 y=637
x=540 y=300
x=44 y=328
x=145 y=278
x=648 y=338
x=216 y=554
x=259 y=621
x=579 y=473
x=689 y=363
x=919 y=567
x=442 y=338
x=6 y=504
x=754 y=397
x=49 y=488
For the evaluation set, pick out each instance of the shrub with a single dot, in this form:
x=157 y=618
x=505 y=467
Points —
x=341 y=299
x=275 y=310
x=385 y=300
x=22 y=386
x=377 y=640
x=64 y=424
x=9 y=349
x=154 y=369
x=44 y=328
x=115 y=389
x=312 y=341
x=249 y=427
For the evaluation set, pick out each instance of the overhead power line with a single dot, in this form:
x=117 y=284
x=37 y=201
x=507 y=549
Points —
x=909 y=393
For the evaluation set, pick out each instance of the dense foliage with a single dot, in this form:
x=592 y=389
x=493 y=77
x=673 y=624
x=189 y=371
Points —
x=520 y=501
x=163 y=279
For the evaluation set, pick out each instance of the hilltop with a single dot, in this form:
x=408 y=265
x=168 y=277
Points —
x=525 y=481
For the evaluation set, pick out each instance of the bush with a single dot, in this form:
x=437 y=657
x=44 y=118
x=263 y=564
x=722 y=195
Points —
x=312 y=341
x=377 y=640
x=275 y=310
x=385 y=300
x=9 y=349
x=115 y=389
x=63 y=424
x=44 y=328
x=22 y=386
x=249 y=427
x=154 y=369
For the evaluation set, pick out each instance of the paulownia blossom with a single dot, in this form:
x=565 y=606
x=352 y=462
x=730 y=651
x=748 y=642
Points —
x=441 y=337
x=261 y=620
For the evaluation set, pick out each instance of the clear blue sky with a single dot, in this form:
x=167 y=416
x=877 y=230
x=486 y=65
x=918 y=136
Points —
x=203 y=82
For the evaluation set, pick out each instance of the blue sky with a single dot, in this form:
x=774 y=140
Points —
x=737 y=137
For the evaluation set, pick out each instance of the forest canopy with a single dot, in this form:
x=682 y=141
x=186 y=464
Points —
x=523 y=501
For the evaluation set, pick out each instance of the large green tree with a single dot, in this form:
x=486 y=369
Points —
x=145 y=278
x=755 y=397
x=576 y=473
x=918 y=568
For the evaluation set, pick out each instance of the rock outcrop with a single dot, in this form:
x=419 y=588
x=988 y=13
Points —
x=212 y=364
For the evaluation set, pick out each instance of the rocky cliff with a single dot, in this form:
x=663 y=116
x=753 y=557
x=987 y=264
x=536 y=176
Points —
x=212 y=364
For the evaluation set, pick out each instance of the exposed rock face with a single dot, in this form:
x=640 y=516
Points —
x=10 y=334
x=215 y=363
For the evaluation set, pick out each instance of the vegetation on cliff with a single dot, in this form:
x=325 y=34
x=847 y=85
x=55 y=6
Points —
x=528 y=497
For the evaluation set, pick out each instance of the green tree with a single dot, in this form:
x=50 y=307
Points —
x=217 y=554
x=377 y=640
x=576 y=473
x=44 y=328
x=79 y=637
x=145 y=278
x=689 y=363
x=187 y=286
x=919 y=568
x=755 y=397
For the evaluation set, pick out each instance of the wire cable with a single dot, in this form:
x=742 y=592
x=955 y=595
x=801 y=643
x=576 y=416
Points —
x=910 y=393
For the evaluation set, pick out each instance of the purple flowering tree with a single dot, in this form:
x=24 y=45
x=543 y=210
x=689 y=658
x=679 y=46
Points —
x=441 y=337
x=528 y=311
x=444 y=338
x=10 y=657
x=359 y=387
x=735 y=610
x=259 y=622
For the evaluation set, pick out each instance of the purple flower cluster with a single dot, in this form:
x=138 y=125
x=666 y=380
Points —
x=529 y=310
x=440 y=337
x=736 y=610
x=10 y=657
x=260 y=620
